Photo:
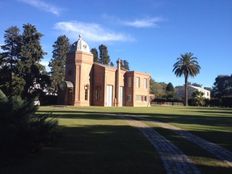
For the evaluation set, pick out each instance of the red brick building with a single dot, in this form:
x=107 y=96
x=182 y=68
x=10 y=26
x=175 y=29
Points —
x=93 y=84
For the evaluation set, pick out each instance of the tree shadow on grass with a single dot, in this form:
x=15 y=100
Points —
x=193 y=119
x=204 y=125
x=92 y=149
x=215 y=112
x=206 y=108
x=170 y=118
x=211 y=128
x=97 y=148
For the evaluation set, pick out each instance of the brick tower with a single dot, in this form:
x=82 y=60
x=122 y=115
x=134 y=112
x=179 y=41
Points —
x=77 y=71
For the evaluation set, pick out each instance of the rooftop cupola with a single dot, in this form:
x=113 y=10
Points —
x=80 y=45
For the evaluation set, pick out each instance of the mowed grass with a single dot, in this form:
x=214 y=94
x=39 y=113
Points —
x=91 y=143
x=94 y=140
x=213 y=124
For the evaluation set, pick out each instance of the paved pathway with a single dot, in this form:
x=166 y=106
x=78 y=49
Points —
x=174 y=160
x=218 y=151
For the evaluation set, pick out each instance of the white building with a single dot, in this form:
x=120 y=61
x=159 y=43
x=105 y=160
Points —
x=191 y=89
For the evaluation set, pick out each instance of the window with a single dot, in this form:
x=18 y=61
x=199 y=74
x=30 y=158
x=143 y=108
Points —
x=129 y=81
x=141 y=98
x=138 y=82
x=145 y=83
x=138 y=98
x=96 y=94
x=86 y=94
x=145 y=98
x=86 y=87
x=129 y=98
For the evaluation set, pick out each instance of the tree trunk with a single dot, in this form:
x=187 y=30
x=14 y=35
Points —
x=186 y=90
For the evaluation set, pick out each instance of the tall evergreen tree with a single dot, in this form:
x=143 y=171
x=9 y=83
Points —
x=31 y=54
x=170 y=87
x=104 y=55
x=170 y=91
x=57 y=63
x=10 y=83
x=111 y=64
x=125 y=64
x=95 y=54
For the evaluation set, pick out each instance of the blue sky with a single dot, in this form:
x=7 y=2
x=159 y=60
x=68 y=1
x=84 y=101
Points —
x=150 y=34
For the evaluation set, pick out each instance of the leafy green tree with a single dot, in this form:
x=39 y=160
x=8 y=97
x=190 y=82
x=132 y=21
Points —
x=159 y=89
x=10 y=82
x=222 y=86
x=57 y=63
x=152 y=86
x=186 y=65
x=95 y=54
x=31 y=54
x=170 y=90
x=104 y=55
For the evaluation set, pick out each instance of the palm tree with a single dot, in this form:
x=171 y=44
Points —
x=186 y=65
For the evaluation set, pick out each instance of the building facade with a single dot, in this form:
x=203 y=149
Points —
x=93 y=84
x=191 y=88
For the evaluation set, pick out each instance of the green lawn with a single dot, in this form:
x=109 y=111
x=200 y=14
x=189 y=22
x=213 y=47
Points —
x=93 y=140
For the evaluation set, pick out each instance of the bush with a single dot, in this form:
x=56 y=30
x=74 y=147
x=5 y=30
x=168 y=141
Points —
x=215 y=102
x=3 y=97
x=207 y=102
x=171 y=101
x=226 y=101
x=48 y=100
x=197 y=102
x=21 y=130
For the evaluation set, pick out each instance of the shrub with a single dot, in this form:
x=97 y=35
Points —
x=3 y=97
x=215 y=102
x=197 y=102
x=171 y=101
x=197 y=99
x=48 y=100
x=21 y=130
x=207 y=102
x=226 y=101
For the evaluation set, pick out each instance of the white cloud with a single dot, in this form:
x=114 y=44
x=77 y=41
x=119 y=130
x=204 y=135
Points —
x=144 y=23
x=90 y=31
x=1 y=44
x=45 y=63
x=43 y=6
